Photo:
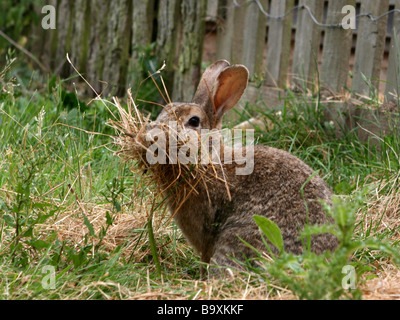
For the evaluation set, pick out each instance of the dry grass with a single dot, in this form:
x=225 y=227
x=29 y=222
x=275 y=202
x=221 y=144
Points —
x=70 y=227
x=385 y=285
x=381 y=216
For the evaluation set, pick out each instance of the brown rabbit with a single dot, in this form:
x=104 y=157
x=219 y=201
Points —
x=215 y=220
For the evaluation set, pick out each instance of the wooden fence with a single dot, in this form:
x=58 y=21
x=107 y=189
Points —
x=102 y=37
x=104 y=40
x=299 y=51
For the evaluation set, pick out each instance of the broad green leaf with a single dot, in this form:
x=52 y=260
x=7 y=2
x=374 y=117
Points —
x=28 y=233
x=39 y=244
x=271 y=231
x=89 y=226
x=109 y=219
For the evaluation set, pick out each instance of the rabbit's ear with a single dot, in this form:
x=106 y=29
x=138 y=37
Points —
x=204 y=91
x=228 y=89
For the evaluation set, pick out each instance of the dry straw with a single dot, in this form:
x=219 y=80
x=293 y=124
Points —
x=175 y=182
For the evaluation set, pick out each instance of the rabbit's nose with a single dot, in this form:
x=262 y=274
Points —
x=148 y=131
x=151 y=126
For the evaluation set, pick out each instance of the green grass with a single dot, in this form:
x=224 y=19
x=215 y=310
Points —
x=66 y=201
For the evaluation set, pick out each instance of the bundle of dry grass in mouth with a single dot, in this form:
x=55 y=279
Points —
x=176 y=181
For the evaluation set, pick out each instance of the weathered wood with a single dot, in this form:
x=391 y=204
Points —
x=80 y=34
x=188 y=73
x=279 y=41
x=336 y=66
x=167 y=32
x=237 y=47
x=118 y=42
x=212 y=10
x=392 y=91
x=64 y=30
x=337 y=48
x=255 y=28
x=43 y=42
x=97 y=44
x=142 y=31
x=370 y=46
x=168 y=37
x=308 y=37
x=225 y=29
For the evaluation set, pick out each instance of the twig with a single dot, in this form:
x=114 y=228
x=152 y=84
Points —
x=30 y=55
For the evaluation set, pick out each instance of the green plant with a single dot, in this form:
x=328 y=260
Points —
x=311 y=276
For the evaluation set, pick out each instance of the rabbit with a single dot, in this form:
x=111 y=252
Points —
x=215 y=221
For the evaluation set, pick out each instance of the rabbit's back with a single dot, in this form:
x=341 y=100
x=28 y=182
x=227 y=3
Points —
x=279 y=190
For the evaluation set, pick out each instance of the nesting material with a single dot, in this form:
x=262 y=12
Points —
x=174 y=180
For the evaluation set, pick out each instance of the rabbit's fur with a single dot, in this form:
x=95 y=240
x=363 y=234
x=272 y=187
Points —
x=216 y=223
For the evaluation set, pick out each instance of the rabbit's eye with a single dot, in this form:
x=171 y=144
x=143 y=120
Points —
x=194 y=122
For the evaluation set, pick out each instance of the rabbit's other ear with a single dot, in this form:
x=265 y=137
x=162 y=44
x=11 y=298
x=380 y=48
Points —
x=204 y=91
x=228 y=89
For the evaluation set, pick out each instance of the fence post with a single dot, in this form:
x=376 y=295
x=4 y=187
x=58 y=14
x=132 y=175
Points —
x=370 y=46
x=392 y=92
x=279 y=41
x=306 y=51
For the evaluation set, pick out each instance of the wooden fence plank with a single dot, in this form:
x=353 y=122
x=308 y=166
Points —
x=279 y=41
x=238 y=35
x=97 y=48
x=370 y=47
x=118 y=42
x=392 y=91
x=212 y=10
x=64 y=14
x=336 y=51
x=225 y=32
x=254 y=32
x=336 y=65
x=168 y=36
x=142 y=30
x=43 y=43
x=308 y=37
x=190 y=51
x=79 y=41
